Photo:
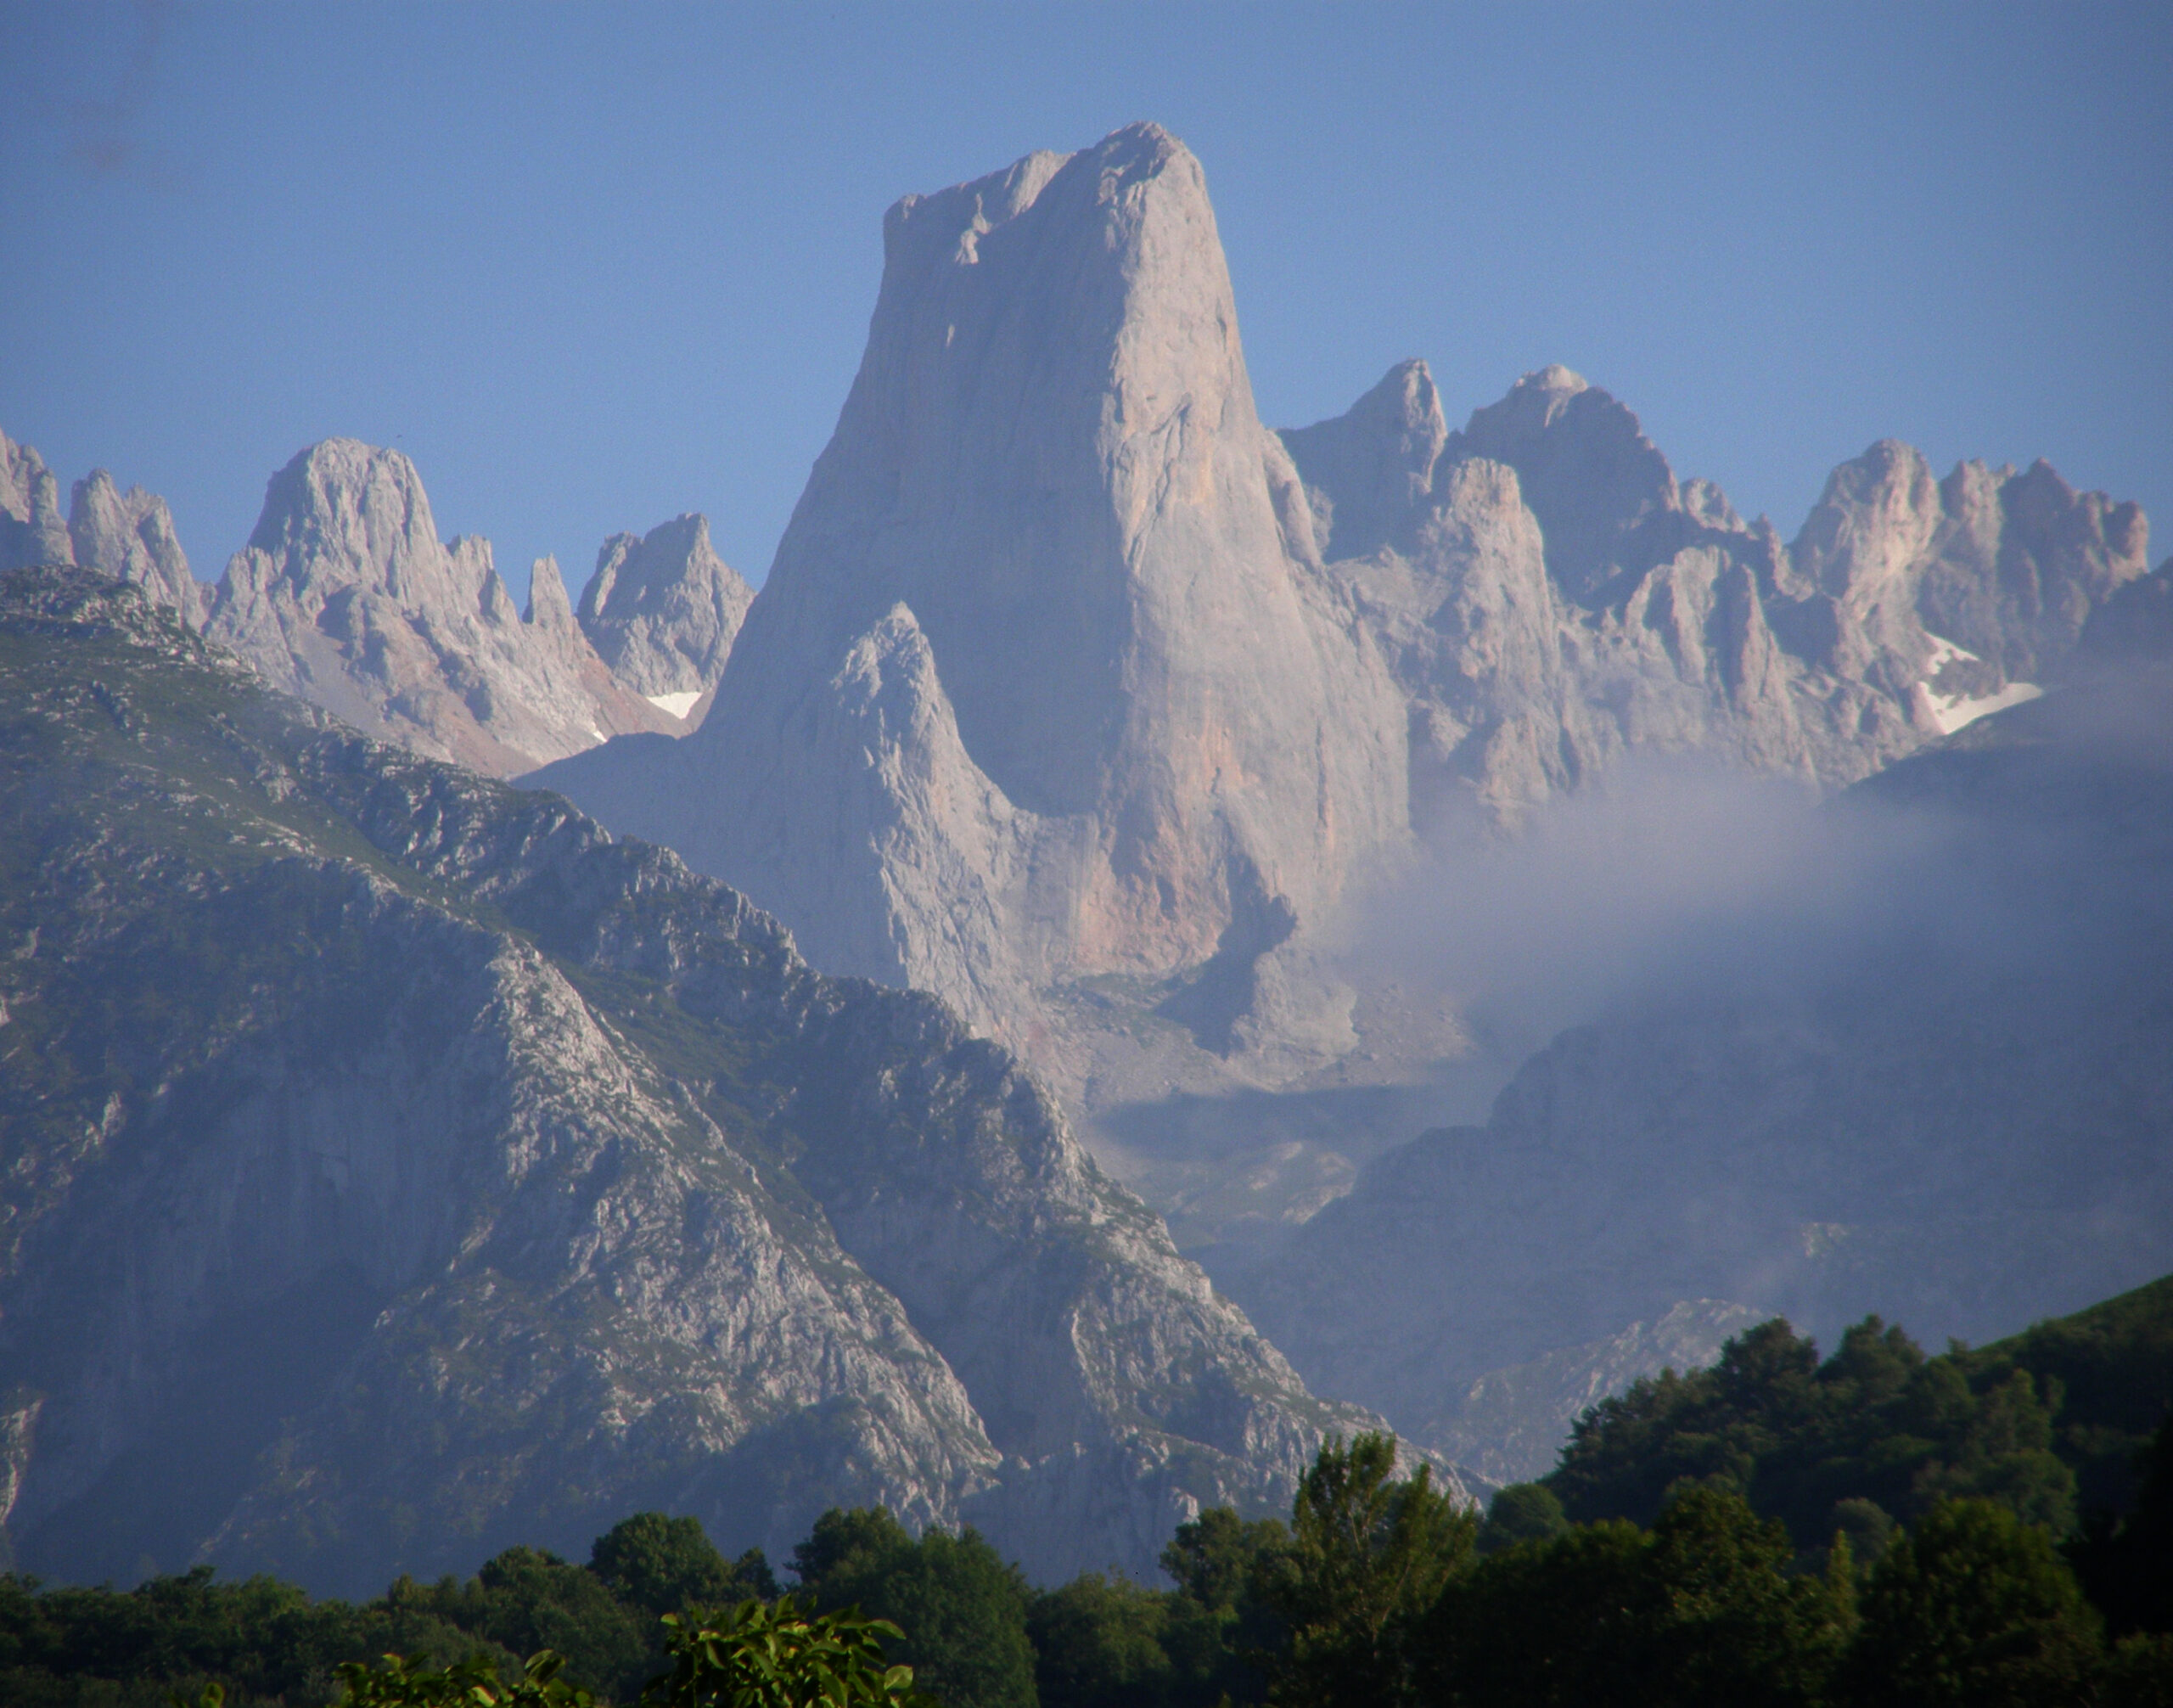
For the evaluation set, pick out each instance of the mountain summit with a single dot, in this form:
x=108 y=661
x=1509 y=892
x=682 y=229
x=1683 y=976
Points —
x=345 y=595
x=1047 y=677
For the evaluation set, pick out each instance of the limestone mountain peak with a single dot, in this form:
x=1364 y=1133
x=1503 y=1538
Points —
x=31 y=531
x=346 y=596
x=1604 y=495
x=663 y=611
x=1367 y=470
x=130 y=535
x=1052 y=460
x=548 y=607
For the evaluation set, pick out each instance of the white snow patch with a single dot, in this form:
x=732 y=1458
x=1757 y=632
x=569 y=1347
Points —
x=678 y=705
x=1944 y=653
x=1953 y=711
x=1951 y=715
x=597 y=735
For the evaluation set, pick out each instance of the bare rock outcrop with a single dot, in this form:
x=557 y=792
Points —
x=2004 y=567
x=1120 y=697
x=129 y=534
x=662 y=610
x=32 y=529
x=1951 y=1106
x=1551 y=597
x=345 y=596
x=459 y=1158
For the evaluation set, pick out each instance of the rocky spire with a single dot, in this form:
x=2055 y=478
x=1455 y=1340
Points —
x=1606 y=500
x=663 y=609
x=345 y=596
x=1368 y=471
x=130 y=534
x=1050 y=487
x=548 y=608
x=2005 y=567
x=31 y=531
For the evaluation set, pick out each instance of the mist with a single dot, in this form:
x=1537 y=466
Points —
x=1679 y=882
x=1904 y=1050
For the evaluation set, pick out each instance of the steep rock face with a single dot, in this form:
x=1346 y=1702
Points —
x=1049 y=467
x=1606 y=500
x=466 y=1161
x=1366 y=472
x=31 y=531
x=1551 y=597
x=2008 y=567
x=345 y=596
x=662 y=610
x=1509 y=1426
x=2135 y=625
x=130 y=534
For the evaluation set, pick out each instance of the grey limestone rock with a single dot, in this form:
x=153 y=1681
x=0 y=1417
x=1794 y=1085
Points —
x=31 y=531
x=1607 y=502
x=1510 y=1425
x=2136 y=624
x=2007 y=567
x=662 y=610
x=1551 y=597
x=1117 y=692
x=345 y=596
x=1368 y=472
x=1941 y=1095
x=462 y=1160
x=130 y=534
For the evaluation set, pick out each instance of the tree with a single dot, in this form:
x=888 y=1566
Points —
x=1221 y=1632
x=1972 y=1607
x=780 y=1655
x=1546 y=1624
x=1369 y=1554
x=2126 y=1564
x=1522 y=1512
x=471 y=1683
x=963 y=1609
x=1100 y=1640
x=1698 y=1612
x=1722 y=1620
x=669 y=1565
x=528 y=1599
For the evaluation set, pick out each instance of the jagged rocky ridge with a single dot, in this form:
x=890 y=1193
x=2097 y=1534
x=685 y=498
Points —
x=396 y=1167
x=128 y=534
x=662 y=610
x=345 y=596
x=1946 y=1095
x=1550 y=596
x=1080 y=698
x=1509 y=1425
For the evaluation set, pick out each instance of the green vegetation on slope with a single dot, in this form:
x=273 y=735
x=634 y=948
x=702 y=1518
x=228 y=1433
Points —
x=2047 y=1423
x=1378 y=1594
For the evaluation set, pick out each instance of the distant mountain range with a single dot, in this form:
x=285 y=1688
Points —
x=345 y=596
x=1084 y=702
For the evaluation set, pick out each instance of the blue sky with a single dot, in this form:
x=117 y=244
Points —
x=591 y=267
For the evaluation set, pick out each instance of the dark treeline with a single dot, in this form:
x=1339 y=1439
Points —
x=1881 y=1527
